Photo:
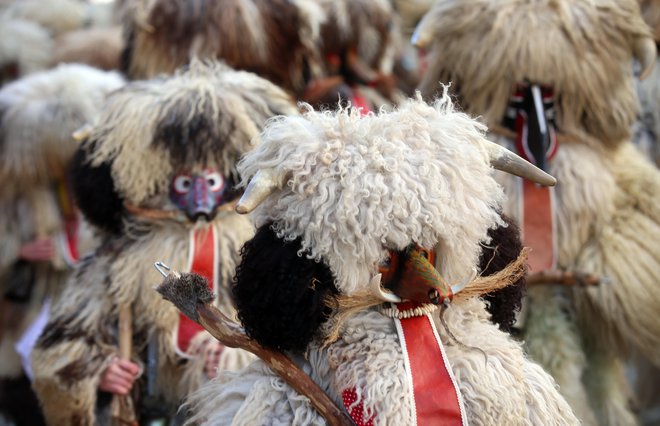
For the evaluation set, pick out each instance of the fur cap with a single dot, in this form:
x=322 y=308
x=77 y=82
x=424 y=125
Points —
x=354 y=187
x=584 y=49
x=273 y=38
x=206 y=115
x=38 y=115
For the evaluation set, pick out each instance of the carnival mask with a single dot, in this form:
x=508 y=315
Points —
x=531 y=115
x=198 y=194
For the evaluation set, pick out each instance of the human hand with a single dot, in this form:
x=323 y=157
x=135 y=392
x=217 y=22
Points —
x=119 y=376
x=37 y=250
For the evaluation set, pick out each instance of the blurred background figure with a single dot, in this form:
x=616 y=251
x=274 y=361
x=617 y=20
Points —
x=553 y=79
x=42 y=233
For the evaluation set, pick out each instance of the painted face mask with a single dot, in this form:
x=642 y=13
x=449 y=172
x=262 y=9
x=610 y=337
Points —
x=199 y=194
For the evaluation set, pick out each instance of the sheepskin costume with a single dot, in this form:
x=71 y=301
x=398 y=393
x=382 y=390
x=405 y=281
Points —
x=350 y=188
x=272 y=38
x=203 y=118
x=359 y=44
x=607 y=216
x=25 y=47
x=38 y=114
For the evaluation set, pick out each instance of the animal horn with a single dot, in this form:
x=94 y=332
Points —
x=262 y=184
x=423 y=33
x=382 y=294
x=506 y=161
x=645 y=51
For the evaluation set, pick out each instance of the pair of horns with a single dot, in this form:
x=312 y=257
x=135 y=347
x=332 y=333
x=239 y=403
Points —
x=643 y=48
x=266 y=181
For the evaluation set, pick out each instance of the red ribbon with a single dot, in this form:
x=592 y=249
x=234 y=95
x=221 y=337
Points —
x=203 y=250
x=435 y=396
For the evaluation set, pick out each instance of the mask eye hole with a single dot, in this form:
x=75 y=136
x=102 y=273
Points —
x=215 y=181
x=182 y=184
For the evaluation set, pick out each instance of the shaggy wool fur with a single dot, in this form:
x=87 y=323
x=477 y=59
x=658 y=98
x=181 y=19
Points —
x=581 y=48
x=37 y=116
x=25 y=47
x=614 y=193
x=366 y=25
x=67 y=97
x=273 y=281
x=97 y=47
x=273 y=38
x=353 y=188
x=505 y=246
x=207 y=114
x=377 y=155
x=651 y=14
x=203 y=117
x=606 y=222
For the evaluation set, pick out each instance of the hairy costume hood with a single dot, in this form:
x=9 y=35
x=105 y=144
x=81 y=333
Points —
x=273 y=38
x=584 y=49
x=207 y=115
x=38 y=115
x=355 y=187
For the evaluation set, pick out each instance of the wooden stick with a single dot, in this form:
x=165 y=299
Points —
x=567 y=278
x=122 y=409
x=190 y=294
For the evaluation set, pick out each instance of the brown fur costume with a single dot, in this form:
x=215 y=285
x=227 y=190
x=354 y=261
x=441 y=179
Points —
x=607 y=211
x=359 y=43
x=272 y=38
x=203 y=117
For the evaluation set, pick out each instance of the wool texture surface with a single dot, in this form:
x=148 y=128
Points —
x=351 y=188
x=204 y=117
x=206 y=114
x=37 y=116
x=583 y=49
x=606 y=224
x=65 y=98
x=275 y=39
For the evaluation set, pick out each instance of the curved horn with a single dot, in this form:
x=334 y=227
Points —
x=262 y=184
x=423 y=34
x=382 y=294
x=506 y=161
x=645 y=51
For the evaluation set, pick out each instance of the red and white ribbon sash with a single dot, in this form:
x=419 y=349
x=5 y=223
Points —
x=538 y=227
x=68 y=239
x=203 y=261
x=435 y=396
x=537 y=206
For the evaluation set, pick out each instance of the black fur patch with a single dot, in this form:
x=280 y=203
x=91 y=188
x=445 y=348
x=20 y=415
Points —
x=192 y=139
x=504 y=248
x=280 y=296
x=95 y=193
x=79 y=369
x=60 y=330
